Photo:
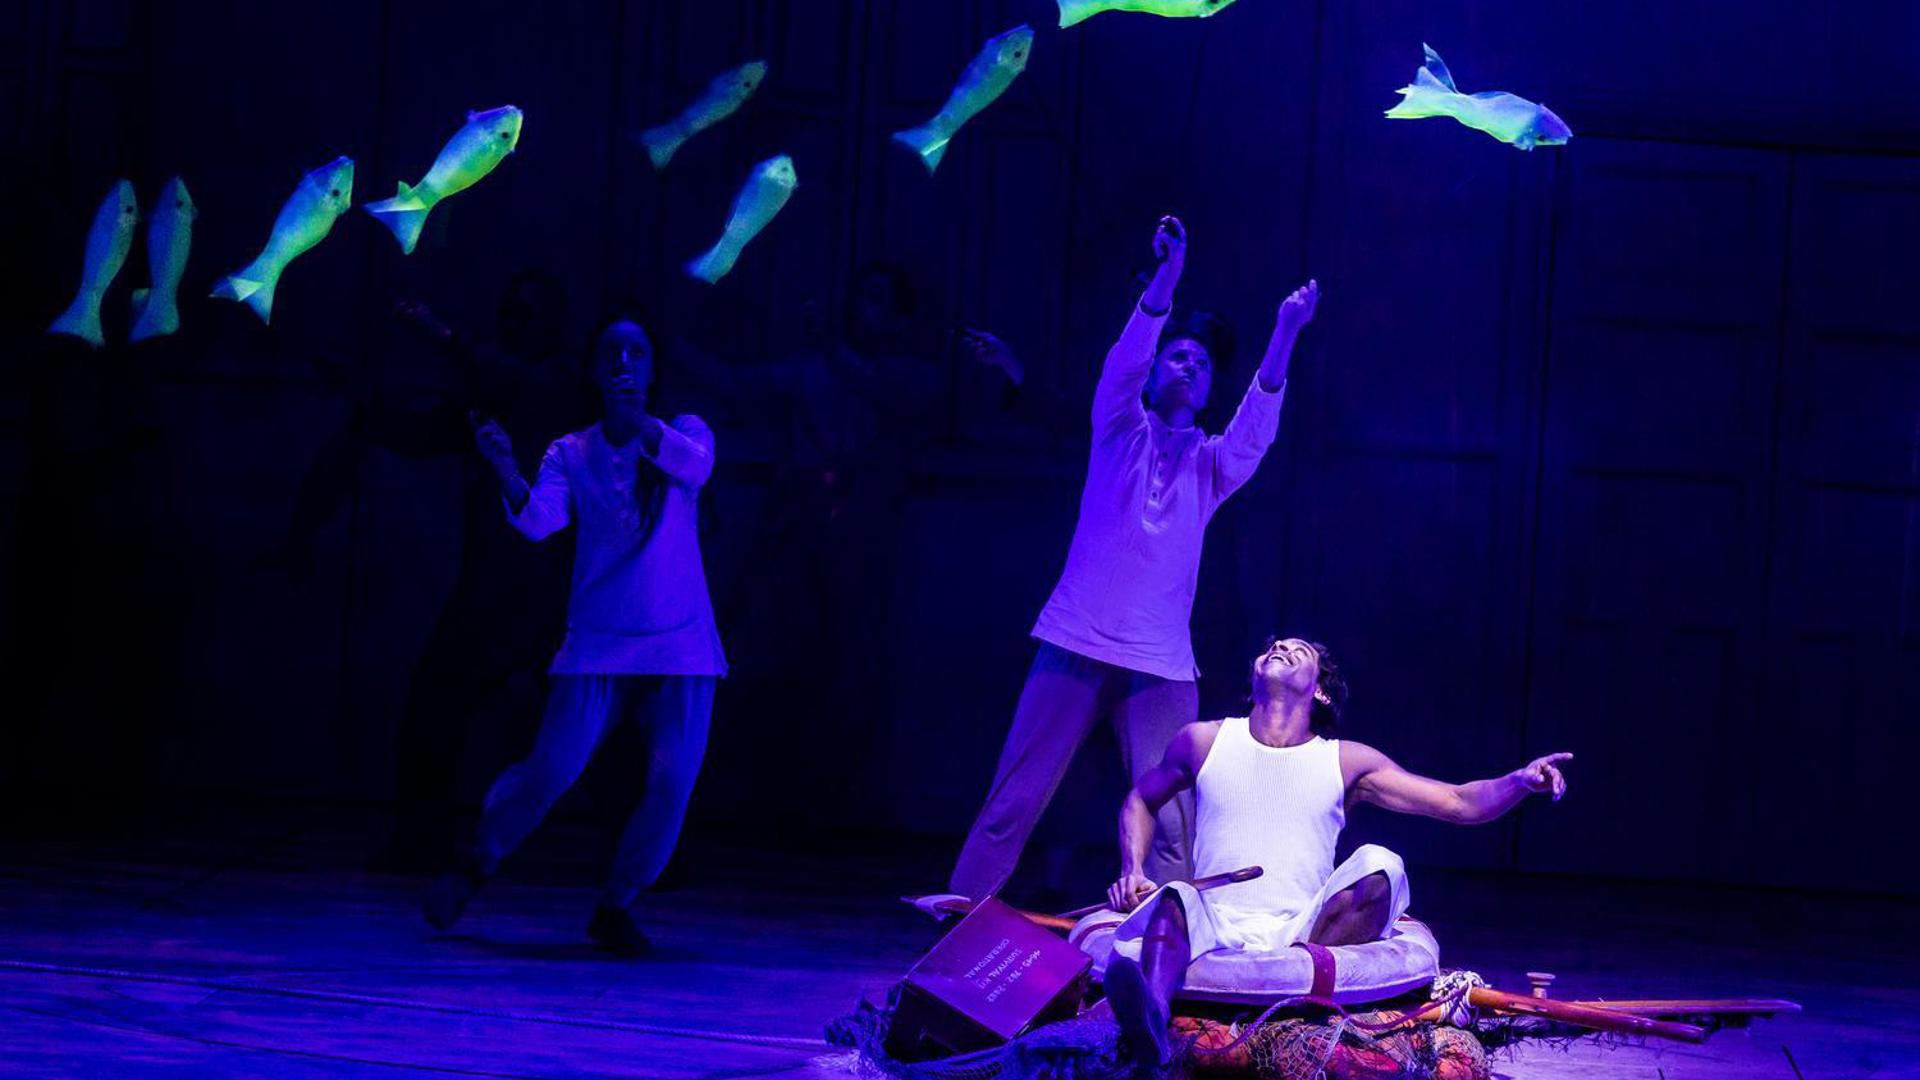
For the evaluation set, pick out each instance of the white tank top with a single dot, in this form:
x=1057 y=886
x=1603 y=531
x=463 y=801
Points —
x=1280 y=809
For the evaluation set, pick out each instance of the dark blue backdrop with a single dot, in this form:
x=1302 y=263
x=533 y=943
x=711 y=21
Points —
x=1612 y=448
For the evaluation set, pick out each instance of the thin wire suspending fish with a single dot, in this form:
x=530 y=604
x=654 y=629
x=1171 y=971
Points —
x=156 y=308
x=724 y=95
x=108 y=241
x=1511 y=119
x=323 y=195
x=989 y=74
x=1073 y=11
x=767 y=189
x=473 y=152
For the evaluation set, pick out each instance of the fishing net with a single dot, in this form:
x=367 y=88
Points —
x=1088 y=1048
x=1336 y=1047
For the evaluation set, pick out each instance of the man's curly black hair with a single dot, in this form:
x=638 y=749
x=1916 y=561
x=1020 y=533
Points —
x=1329 y=692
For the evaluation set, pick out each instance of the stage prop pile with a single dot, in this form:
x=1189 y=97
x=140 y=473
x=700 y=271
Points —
x=1377 y=1010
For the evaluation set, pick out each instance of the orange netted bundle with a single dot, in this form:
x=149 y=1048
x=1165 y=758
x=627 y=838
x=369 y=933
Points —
x=1297 y=1048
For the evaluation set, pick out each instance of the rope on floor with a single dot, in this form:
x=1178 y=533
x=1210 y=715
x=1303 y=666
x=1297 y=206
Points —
x=346 y=998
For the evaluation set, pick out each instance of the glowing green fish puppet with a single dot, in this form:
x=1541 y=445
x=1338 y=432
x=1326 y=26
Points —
x=722 y=98
x=108 y=242
x=760 y=198
x=470 y=155
x=323 y=195
x=1510 y=119
x=989 y=74
x=156 y=309
x=1073 y=11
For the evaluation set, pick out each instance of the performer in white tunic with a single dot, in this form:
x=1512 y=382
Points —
x=1271 y=790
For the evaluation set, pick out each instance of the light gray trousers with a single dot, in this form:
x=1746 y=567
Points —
x=1065 y=695
x=674 y=711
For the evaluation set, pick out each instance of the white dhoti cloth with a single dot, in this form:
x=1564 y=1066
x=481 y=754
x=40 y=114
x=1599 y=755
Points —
x=1215 y=924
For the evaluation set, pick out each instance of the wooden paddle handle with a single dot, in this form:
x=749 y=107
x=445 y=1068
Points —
x=1586 y=1016
x=1245 y=873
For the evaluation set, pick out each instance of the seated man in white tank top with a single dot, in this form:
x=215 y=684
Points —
x=1272 y=790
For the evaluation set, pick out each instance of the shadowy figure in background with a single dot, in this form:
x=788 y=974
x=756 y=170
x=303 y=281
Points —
x=641 y=644
x=814 y=603
x=505 y=612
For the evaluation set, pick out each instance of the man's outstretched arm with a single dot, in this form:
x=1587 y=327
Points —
x=1374 y=777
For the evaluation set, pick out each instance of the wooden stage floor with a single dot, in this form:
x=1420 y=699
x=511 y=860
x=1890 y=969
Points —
x=253 y=944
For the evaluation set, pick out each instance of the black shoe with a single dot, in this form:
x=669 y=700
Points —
x=447 y=897
x=615 y=930
x=1143 y=1021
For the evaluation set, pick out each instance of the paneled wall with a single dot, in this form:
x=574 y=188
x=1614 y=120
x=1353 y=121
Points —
x=1612 y=448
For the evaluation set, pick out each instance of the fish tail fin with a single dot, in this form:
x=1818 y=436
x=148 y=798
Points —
x=1435 y=68
x=661 y=142
x=1432 y=86
x=1073 y=11
x=1418 y=101
x=404 y=215
x=924 y=141
x=152 y=317
x=252 y=286
x=81 y=320
x=714 y=264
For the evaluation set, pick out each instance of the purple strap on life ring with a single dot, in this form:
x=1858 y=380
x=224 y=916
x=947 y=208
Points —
x=1323 y=969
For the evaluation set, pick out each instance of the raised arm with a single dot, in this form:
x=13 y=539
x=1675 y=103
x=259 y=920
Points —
x=1372 y=776
x=683 y=449
x=1116 y=399
x=538 y=511
x=1238 y=450
x=1155 y=788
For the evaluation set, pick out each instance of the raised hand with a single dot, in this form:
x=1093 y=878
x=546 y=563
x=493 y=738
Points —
x=1170 y=242
x=1542 y=775
x=495 y=446
x=985 y=348
x=1296 y=311
x=1126 y=893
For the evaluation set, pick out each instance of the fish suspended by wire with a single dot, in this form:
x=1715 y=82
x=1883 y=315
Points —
x=156 y=309
x=108 y=241
x=767 y=189
x=473 y=152
x=989 y=74
x=1507 y=117
x=323 y=195
x=722 y=98
x=1073 y=11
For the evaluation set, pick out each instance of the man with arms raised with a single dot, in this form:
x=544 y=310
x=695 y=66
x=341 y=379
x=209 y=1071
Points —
x=1114 y=638
x=1272 y=790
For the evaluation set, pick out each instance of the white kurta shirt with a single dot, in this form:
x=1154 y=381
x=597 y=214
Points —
x=1126 y=596
x=639 y=603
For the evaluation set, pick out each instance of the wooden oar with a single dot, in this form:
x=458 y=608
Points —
x=1576 y=1014
x=1066 y=921
x=1245 y=873
x=1699 y=1007
x=963 y=906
